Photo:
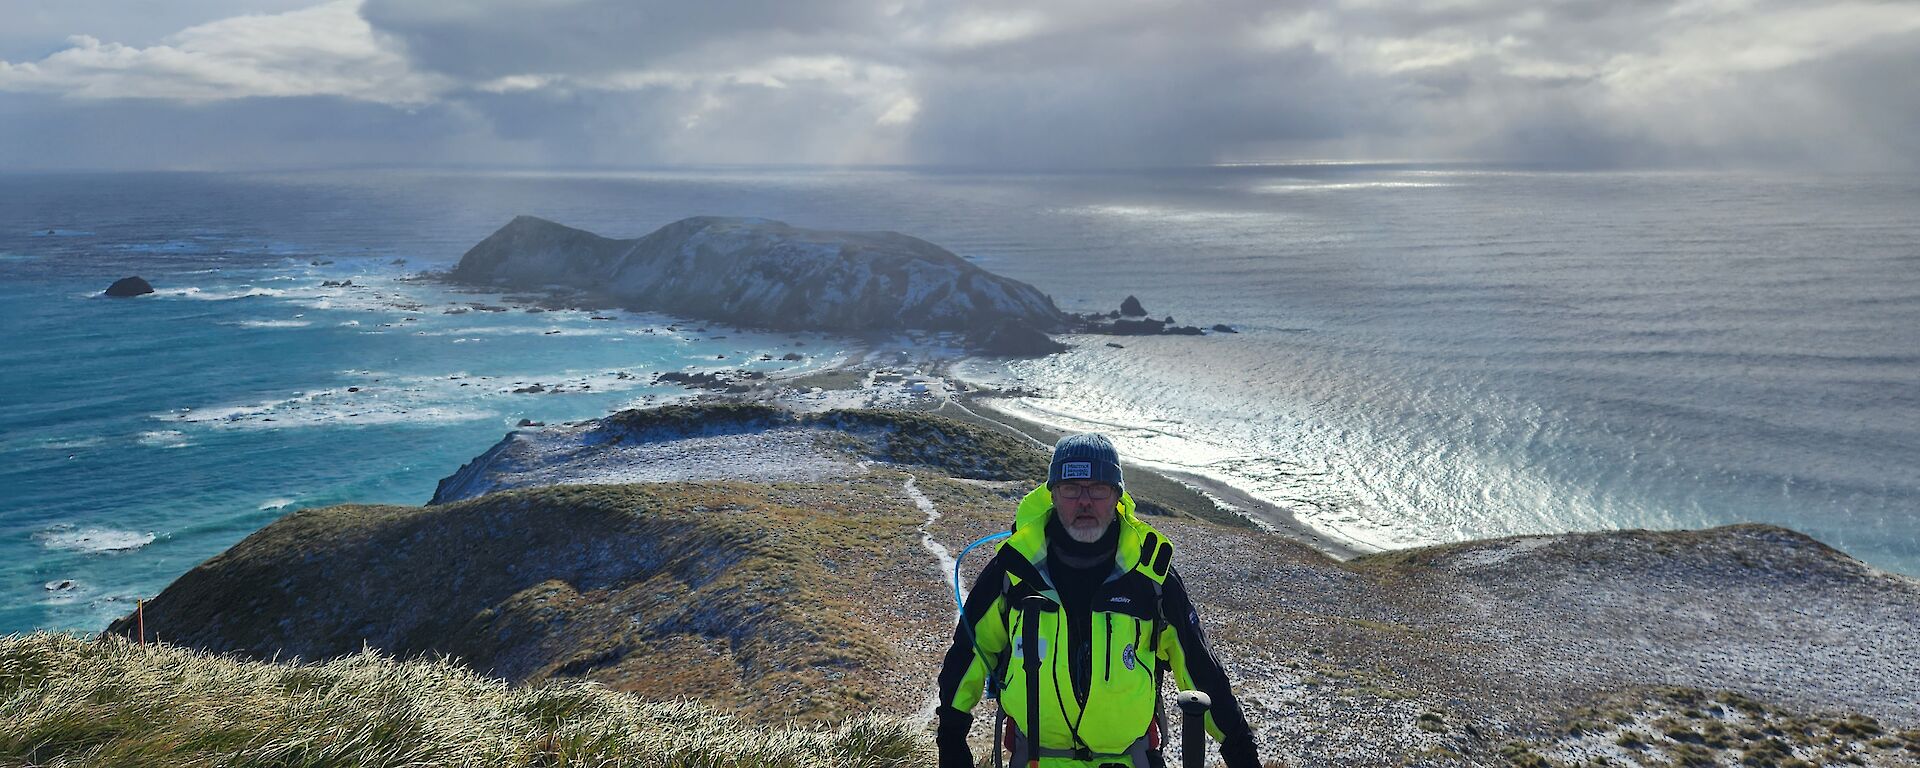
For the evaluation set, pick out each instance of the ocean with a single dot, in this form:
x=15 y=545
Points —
x=1426 y=353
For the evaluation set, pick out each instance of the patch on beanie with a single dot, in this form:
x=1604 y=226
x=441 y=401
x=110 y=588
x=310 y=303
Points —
x=1076 y=470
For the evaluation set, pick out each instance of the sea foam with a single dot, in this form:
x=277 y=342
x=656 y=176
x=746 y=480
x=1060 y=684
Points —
x=92 y=539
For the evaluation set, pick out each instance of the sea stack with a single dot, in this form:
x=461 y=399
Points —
x=762 y=273
x=129 y=286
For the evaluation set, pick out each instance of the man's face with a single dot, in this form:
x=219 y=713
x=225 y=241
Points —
x=1085 y=508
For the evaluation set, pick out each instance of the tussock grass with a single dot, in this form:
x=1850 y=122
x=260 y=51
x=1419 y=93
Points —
x=67 y=701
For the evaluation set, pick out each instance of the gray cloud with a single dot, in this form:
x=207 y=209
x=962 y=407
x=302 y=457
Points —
x=323 y=50
x=37 y=28
x=42 y=132
x=1014 y=84
x=489 y=39
x=1163 y=110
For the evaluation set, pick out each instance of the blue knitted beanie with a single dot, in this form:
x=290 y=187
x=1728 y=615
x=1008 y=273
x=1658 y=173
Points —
x=1085 y=457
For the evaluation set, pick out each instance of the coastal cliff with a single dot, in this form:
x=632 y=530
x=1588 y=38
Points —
x=785 y=567
x=762 y=273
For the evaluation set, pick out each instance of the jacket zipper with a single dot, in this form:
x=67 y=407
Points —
x=1109 y=654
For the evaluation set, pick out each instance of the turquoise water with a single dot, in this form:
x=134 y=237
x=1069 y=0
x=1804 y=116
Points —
x=1428 y=353
x=142 y=436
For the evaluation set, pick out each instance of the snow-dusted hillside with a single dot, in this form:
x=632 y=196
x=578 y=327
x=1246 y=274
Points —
x=788 y=565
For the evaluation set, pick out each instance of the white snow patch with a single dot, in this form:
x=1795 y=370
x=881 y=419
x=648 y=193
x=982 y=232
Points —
x=943 y=563
x=573 y=455
x=943 y=567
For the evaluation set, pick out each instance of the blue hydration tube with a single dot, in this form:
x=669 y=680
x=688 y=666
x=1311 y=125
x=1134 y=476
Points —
x=957 y=600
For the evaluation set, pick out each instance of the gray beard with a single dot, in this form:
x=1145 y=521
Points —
x=1086 y=535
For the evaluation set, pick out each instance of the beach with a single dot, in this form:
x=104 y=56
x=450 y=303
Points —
x=1156 y=481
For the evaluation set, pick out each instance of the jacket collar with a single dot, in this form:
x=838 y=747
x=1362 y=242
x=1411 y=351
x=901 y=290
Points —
x=1029 y=539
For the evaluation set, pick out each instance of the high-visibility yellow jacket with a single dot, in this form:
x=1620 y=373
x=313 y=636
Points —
x=1140 y=617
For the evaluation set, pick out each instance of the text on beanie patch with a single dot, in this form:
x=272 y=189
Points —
x=1076 y=470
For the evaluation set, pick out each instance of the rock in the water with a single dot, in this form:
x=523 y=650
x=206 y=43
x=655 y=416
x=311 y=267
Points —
x=704 y=380
x=762 y=273
x=129 y=286
x=1224 y=328
x=1184 y=330
x=1116 y=345
x=1013 y=338
x=1131 y=307
x=1147 y=327
x=531 y=423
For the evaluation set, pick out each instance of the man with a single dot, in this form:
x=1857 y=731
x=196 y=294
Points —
x=1096 y=589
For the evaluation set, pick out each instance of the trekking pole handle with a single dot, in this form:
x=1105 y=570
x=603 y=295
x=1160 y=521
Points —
x=1193 y=727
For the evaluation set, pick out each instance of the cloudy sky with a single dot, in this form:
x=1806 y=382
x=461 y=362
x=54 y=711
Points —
x=983 y=83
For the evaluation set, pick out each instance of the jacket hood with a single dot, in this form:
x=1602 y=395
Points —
x=1029 y=537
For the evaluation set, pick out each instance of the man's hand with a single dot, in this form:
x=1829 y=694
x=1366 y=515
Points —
x=951 y=738
x=1237 y=754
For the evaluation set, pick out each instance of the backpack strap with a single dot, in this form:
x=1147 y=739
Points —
x=1159 y=554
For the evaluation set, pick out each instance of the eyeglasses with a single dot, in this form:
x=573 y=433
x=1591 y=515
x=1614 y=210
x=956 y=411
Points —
x=1095 y=492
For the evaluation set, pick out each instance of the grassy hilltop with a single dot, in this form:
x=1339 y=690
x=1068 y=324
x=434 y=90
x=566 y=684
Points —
x=565 y=624
x=71 y=702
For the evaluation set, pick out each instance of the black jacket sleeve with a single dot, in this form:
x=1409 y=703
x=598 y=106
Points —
x=979 y=642
x=1195 y=664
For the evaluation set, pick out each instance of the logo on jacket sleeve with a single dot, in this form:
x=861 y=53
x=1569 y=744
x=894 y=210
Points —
x=1128 y=657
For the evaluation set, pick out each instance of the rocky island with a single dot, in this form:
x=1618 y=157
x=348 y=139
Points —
x=770 y=274
x=762 y=273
